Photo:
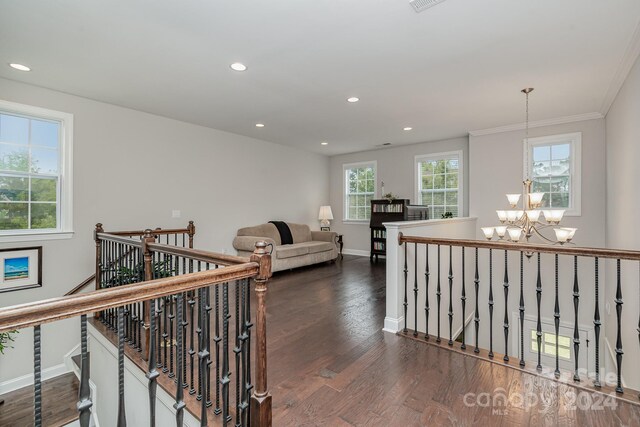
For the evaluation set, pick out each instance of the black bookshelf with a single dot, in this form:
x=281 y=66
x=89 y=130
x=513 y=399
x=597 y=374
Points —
x=384 y=210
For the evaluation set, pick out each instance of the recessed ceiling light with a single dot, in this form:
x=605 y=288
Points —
x=324 y=143
x=259 y=125
x=237 y=66
x=407 y=128
x=353 y=99
x=20 y=67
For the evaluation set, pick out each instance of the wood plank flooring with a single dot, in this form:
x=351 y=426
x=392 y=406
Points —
x=331 y=365
x=59 y=397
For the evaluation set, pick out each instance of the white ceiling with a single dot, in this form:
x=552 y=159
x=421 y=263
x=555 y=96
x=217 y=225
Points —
x=456 y=67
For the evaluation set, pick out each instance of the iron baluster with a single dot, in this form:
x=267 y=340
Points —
x=179 y=405
x=415 y=289
x=576 y=303
x=426 y=292
x=84 y=393
x=152 y=374
x=521 y=308
x=122 y=417
x=491 y=303
x=506 y=305
x=404 y=304
x=476 y=283
x=556 y=318
x=539 y=322
x=619 y=351
x=37 y=377
x=438 y=295
x=451 y=295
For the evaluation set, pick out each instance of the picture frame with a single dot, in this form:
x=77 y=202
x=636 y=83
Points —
x=325 y=228
x=20 y=268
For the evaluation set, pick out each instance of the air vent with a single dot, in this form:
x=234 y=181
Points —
x=422 y=5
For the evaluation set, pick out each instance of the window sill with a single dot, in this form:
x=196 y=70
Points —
x=355 y=221
x=34 y=237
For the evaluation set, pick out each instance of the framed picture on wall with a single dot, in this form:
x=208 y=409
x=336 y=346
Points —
x=20 y=268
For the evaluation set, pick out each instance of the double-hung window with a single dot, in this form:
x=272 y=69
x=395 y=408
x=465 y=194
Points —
x=554 y=167
x=359 y=190
x=35 y=172
x=439 y=179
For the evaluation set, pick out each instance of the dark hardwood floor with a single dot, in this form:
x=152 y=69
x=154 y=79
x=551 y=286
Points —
x=331 y=365
x=59 y=397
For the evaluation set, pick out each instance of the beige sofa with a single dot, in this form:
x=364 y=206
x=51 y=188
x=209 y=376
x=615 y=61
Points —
x=309 y=247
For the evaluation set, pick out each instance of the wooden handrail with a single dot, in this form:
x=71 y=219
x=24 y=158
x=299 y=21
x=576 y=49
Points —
x=41 y=312
x=119 y=239
x=156 y=231
x=197 y=255
x=525 y=247
x=82 y=285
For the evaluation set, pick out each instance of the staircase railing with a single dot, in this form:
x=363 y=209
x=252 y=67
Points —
x=156 y=298
x=447 y=279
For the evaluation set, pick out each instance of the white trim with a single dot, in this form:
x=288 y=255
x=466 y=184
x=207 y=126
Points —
x=538 y=123
x=27 y=380
x=34 y=237
x=65 y=174
x=412 y=224
x=345 y=167
x=575 y=139
x=440 y=156
x=393 y=325
x=624 y=68
x=356 y=252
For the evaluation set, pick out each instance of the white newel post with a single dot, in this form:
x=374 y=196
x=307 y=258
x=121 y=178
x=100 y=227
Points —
x=394 y=318
x=455 y=228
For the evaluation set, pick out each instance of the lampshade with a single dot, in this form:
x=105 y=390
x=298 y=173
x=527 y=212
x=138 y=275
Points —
x=502 y=215
x=572 y=232
x=325 y=213
x=562 y=234
x=501 y=231
x=553 y=216
x=488 y=232
x=514 y=234
x=533 y=215
x=535 y=199
x=513 y=199
x=513 y=216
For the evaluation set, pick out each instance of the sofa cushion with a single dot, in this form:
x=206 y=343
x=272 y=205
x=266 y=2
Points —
x=263 y=230
x=316 y=247
x=301 y=232
x=290 y=251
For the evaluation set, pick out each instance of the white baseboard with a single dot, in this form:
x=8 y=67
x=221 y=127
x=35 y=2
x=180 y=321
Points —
x=27 y=380
x=393 y=325
x=356 y=252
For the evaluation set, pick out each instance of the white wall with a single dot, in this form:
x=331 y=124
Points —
x=623 y=203
x=131 y=169
x=495 y=169
x=396 y=169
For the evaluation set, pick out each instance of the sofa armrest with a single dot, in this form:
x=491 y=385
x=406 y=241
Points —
x=324 y=236
x=248 y=243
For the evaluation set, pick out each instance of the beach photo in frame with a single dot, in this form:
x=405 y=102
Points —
x=20 y=268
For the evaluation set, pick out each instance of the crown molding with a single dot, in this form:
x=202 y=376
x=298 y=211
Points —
x=538 y=123
x=624 y=68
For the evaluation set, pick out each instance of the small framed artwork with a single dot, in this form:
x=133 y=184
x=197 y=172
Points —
x=20 y=268
x=325 y=229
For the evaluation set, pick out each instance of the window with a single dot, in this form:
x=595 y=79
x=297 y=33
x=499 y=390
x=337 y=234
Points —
x=554 y=168
x=548 y=343
x=35 y=171
x=360 y=189
x=439 y=183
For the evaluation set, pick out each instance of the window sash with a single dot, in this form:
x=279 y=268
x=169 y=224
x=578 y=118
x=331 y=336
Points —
x=425 y=195
x=360 y=210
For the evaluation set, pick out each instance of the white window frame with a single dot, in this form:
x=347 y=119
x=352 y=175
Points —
x=345 y=193
x=435 y=157
x=575 y=141
x=65 y=198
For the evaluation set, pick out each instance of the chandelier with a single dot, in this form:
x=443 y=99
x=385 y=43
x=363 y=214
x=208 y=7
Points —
x=526 y=221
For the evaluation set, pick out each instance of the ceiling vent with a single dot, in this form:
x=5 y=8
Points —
x=422 y=5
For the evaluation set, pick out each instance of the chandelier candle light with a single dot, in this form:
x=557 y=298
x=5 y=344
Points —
x=527 y=222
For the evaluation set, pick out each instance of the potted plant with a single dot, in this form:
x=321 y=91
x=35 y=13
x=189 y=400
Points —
x=6 y=338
